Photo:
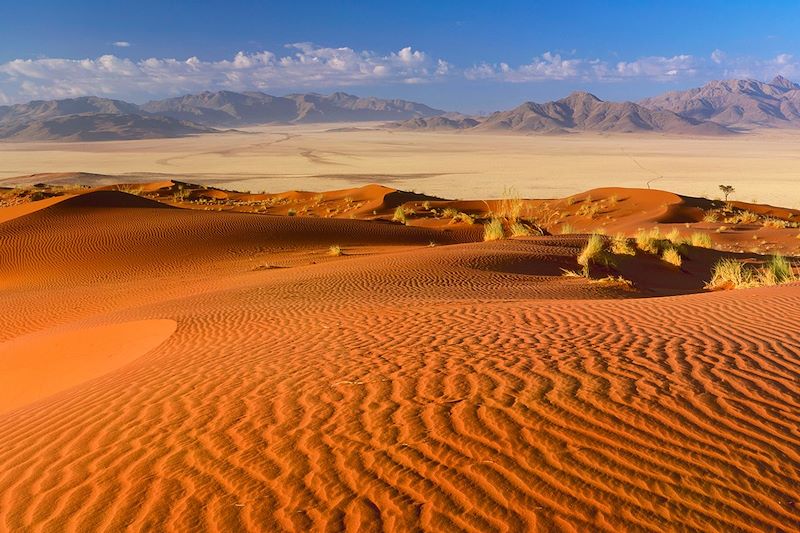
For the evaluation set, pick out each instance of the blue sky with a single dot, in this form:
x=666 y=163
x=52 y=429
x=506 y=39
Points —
x=455 y=55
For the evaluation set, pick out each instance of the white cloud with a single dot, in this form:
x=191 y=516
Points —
x=551 y=66
x=308 y=66
x=121 y=44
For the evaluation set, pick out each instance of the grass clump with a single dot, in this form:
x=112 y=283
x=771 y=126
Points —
x=729 y=273
x=493 y=230
x=399 y=215
x=449 y=212
x=742 y=217
x=510 y=206
x=567 y=229
x=672 y=256
x=621 y=245
x=593 y=252
x=462 y=217
x=648 y=241
x=518 y=229
x=335 y=250
x=777 y=270
x=700 y=240
x=588 y=210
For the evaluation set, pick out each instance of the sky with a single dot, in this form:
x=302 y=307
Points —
x=454 y=55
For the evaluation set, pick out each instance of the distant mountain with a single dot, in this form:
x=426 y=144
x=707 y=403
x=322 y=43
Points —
x=226 y=108
x=742 y=104
x=94 y=118
x=580 y=111
x=46 y=109
x=99 y=127
x=230 y=109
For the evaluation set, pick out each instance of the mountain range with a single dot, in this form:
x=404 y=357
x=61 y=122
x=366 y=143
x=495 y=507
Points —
x=717 y=108
x=91 y=118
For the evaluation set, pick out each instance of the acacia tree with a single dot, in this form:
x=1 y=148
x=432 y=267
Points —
x=727 y=190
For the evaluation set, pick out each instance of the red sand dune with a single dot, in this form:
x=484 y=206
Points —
x=465 y=386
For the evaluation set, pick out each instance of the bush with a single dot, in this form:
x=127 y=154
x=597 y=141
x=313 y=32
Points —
x=777 y=270
x=399 y=215
x=648 y=241
x=729 y=273
x=621 y=245
x=672 y=256
x=701 y=240
x=593 y=252
x=493 y=230
x=518 y=229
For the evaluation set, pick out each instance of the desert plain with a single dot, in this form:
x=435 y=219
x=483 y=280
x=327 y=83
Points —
x=761 y=164
x=308 y=330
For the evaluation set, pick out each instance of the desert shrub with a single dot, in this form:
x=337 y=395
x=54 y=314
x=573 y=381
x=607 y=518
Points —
x=742 y=217
x=399 y=215
x=593 y=252
x=493 y=230
x=588 y=210
x=777 y=270
x=510 y=206
x=449 y=212
x=672 y=256
x=648 y=241
x=621 y=245
x=775 y=223
x=462 y=217
x=701 y=240
x=291 y=212
x=729 y=273
x=335 y=250
x=674 y=236
x=518 y=229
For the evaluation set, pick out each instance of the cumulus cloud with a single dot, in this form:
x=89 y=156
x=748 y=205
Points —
x=551 y=66
x=121 y=44
x=304 y=66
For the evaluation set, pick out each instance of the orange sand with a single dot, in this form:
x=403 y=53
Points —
x=401 y=386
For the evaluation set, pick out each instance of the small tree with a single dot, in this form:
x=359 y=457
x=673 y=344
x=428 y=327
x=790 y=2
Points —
x=727 y=190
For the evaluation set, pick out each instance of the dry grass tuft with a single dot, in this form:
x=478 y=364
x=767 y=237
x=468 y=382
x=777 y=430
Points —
x=399 y=215
x=672 y=256
x=593 y=252
x=335 y=250
x=649 y=241
x=700 y=240
x=621 y=245
x=493 y=230
x=518 y=229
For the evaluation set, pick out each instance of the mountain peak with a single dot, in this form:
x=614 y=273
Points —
x=581 y=96
x=780 y=81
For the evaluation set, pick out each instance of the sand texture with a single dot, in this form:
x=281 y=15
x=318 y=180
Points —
x=169 y=369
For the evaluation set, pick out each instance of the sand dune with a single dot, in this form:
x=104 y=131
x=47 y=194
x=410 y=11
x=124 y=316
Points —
x=401 y=386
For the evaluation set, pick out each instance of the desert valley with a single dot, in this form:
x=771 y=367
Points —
x=305 y=310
